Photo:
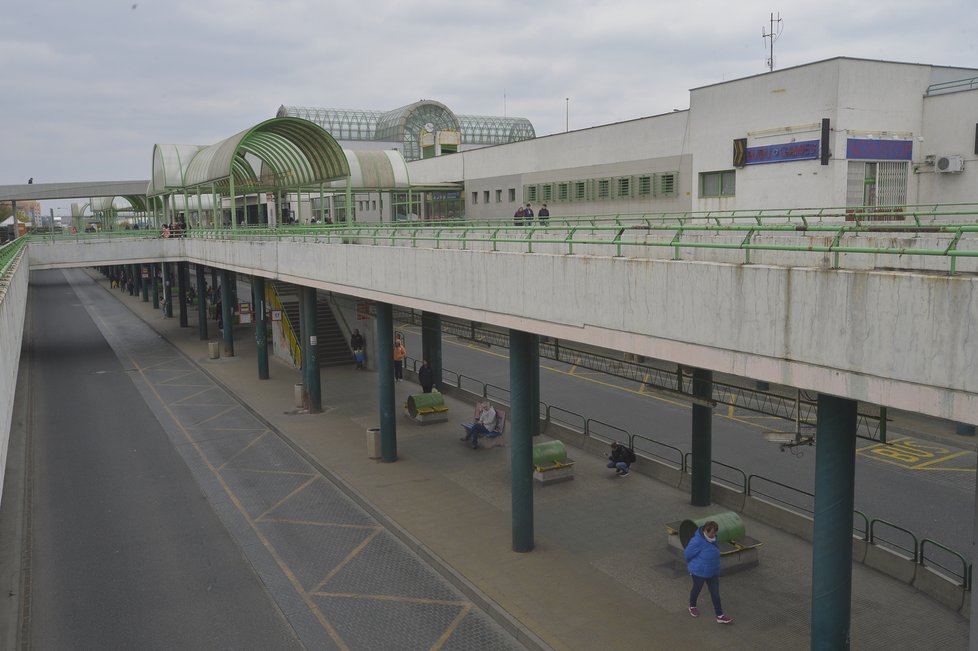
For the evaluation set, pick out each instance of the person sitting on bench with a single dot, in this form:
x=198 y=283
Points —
x=483 y=425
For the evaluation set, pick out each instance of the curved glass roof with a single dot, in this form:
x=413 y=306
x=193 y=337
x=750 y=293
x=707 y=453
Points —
x=403 y=125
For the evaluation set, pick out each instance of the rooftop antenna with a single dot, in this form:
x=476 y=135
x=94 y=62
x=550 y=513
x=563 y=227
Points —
x=504 y=102
x=773 y=35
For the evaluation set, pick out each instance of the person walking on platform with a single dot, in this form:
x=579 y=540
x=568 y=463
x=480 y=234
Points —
x=426 y=377
x=400 y=352
x=357 y=343
x=518 y=217
x=703 y=561
x=544 y=215
x=620 y=459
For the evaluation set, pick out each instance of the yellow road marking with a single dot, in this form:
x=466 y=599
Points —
x=349 y=557
x=285 y=499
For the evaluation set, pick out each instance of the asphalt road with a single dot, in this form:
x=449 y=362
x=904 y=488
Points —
x=916 y=484
x=127 y=552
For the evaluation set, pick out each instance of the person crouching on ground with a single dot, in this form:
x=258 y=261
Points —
x=620 y=459
x=703 y=561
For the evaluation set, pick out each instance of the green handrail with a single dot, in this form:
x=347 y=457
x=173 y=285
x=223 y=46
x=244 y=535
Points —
x=9 y=253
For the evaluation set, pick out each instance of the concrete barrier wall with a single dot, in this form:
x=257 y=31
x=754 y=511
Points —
x=13 y=308
x=802 y=327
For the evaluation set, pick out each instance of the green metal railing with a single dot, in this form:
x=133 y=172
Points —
x=821 y=231
x=8 y=254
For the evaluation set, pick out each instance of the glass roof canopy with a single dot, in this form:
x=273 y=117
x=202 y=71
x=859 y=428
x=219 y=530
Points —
x=404 y=125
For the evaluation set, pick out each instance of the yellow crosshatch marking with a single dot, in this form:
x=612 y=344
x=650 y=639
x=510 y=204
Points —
x=913 y=455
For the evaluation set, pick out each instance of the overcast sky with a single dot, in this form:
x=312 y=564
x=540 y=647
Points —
x=89 y=86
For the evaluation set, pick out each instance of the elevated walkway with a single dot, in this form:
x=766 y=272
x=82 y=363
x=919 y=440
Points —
x=601 y=576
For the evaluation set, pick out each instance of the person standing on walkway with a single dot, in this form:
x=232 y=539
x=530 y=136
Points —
x=400 y=352
x=426 y=377
x=703 y=561
x=357 y=343
x=621 y=458
x=528 y=215
x=544 y=215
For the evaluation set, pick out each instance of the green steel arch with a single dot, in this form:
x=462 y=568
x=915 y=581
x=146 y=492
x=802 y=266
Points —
x=406 y=123
x=280 y=153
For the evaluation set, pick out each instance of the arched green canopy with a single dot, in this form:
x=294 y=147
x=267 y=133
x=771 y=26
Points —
x=280 y=153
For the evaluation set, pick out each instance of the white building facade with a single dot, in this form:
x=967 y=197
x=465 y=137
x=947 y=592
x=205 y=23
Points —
x=843 y=132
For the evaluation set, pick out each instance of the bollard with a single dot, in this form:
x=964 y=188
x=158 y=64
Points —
x=373 y=443
x=214 y=349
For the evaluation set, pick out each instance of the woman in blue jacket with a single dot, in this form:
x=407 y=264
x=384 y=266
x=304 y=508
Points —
x=703 y=560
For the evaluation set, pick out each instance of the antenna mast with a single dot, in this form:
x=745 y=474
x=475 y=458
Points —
x=773 y=35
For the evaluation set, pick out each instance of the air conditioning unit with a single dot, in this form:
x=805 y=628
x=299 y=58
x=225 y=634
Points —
x=948 y=164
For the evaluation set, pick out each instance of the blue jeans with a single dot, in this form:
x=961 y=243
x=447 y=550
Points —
x=474 y=432
x=713 y=585
x=620 y=465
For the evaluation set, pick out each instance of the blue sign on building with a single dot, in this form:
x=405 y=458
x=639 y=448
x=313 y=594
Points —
x=879 y=149
x=805 y=150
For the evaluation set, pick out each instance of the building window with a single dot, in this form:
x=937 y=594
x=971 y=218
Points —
x=547 y=192
x=530 y=193
x=580 y=190
x=718 y=184
x=499 y=196
x=604 y=188
x=563 y=191
x=373 y=204
x=512 y=195
x=665 y=184
x=475 y=198
x=623 y=187
x=485 y=196
x=882 y=183
x=645 y=186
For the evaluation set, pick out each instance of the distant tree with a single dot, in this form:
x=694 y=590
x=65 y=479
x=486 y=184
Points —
x=5 y=210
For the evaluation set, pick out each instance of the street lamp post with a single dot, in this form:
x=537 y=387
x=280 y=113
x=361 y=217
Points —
x=566 y=114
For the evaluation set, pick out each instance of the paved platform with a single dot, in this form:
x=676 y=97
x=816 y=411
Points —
x=601 y=576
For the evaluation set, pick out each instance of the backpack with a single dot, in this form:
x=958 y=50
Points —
x=629 y=455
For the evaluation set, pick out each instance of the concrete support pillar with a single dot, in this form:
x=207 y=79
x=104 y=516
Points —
x=167 y=290
x=156 y=286
x=144 y=283
x=228 y=330
x=310 y=356
x=702 y=444
x=521 y=347
x=183 y=275
x=261 y=325
x=201 y=304
x=533 y=361
x=431 y=345
x=385 y=368
x=136 y=280
x=835 y=474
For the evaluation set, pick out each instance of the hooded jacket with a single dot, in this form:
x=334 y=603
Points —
x=702 y=556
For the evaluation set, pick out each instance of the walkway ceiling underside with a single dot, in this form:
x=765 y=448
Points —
x=281 y=153
x=103 y=204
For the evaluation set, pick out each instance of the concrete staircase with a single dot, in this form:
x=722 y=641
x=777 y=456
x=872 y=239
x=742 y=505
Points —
x=334 y=349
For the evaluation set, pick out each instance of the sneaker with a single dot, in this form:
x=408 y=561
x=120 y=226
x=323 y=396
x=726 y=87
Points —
x=624 y=473
x=617 y=471
x=694 y=611
x=724 y=619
